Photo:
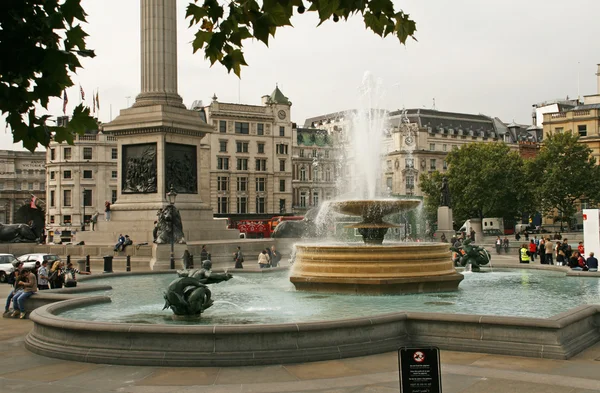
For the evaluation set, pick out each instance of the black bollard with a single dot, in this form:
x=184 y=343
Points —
x=191 y=262
x=128 y=265
x=108 y=260
x=87 y=263
x=68 y=259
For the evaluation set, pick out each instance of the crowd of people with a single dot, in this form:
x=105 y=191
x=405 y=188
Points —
x=549 y=251
x=268 y=257
x=26 y=282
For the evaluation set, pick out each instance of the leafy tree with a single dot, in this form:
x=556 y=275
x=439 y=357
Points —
x=431 y=184
x=223 y=28
x=487 y=180
x=562 y=173
x=41 y=42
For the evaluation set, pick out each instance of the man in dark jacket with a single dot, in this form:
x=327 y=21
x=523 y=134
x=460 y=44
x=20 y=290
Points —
x=592 y=263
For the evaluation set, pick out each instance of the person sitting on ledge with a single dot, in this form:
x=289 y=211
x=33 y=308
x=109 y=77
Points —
x=71 y=275
x=592 y=263
x=29 y=283
x=576 y=262
x=523 y=254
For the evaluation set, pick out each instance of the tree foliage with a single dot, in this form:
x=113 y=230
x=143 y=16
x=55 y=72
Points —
x=224 y=28
x=563 y=172
x=431 y=184
x=487 y=180
x=41 y=42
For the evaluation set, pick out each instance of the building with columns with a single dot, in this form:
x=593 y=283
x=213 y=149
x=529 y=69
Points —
x=315 y=168
x=22 y=175
x=251 y=157
x=82 y=176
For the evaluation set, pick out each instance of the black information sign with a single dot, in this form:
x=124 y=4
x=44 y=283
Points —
x=420 y=370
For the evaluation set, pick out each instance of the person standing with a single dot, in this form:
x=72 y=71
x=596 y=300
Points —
x=71 y=275
x=29 y=283
x=549 y=251
x=505 y=244
x=498 y=245
x=542 y=251
x=94 y=220
x=238 y=257
x=204 y=255
x=472 y=234
x=524 y=254
x=107 y=211
x=560 y=254
x=42 y=276
x=275 y=257
x=532 y=250
x=263 y=259
x=57 y=275
x=581 y=249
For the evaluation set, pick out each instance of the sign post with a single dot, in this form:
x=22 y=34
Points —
x=420 y=370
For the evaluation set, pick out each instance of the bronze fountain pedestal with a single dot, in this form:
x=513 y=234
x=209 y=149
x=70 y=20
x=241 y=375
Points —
x=374 y=268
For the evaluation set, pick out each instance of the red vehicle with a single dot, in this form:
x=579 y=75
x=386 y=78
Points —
x=255 y=229
x=279 y=219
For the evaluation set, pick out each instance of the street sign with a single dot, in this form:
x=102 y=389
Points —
x=420 y=370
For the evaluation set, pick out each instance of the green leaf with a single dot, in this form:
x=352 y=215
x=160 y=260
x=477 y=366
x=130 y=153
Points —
x=202 y=37
x=262 y=28
x=234 y=60
x=381 y=6
x=71 y=9
x=195 y=13
x=375 y=23
x=75 y=38
x=326 y=8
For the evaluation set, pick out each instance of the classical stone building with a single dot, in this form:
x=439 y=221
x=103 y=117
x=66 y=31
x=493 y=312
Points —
x=79 y=176
x=315 y=168
x=251 y=157
x=22 y=175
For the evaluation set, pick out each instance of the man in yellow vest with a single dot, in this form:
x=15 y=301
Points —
x=524 y=254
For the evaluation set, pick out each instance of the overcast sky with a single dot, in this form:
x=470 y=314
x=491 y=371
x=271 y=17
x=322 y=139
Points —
x=496 y=57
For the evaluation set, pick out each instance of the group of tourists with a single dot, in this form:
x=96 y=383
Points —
x=268 y=257
x=122 y=242
x=26 y=282
x=502 y=244
x=561 y=251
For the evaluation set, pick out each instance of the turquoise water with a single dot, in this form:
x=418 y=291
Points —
x=271 y=298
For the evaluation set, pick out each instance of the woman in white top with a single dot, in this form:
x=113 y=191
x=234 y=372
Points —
x=263 y=259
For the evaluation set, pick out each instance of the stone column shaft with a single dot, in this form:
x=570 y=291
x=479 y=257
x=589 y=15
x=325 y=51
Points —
x=158 y=54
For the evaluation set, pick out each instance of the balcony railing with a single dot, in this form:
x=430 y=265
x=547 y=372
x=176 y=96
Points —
x=581 y=113
x=558 y=115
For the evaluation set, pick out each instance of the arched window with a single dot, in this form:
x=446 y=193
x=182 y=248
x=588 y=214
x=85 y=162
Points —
x=302 y=173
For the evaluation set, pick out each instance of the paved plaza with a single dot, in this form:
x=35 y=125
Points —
x=462 y=372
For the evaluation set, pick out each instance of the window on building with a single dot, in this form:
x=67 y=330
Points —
x=260 y=204
x=52 y=198
x=1 y=186
x=261 y=148
x=326 y=153
x=18 y=171
x=261 y=165
x=316 y=174
x=114 y=153
x=282 y=185
x=42 y=186
x=242 y=164
x=328 y=174
x=242 y=128
x=302 y=174
x=282 y=149
x=432 y=146
x=282 y=165
x=388 y=183
x=222 y=182
x=260 y=129
x=87 y=174
x=315 y=198
x=432 y=165
x=222 y=146
x=410 y=182
x=52 y=175
x=67 y=153
x=260 y=184
x=66 y=174
x=67 y=198
x=223 y=163
x=409 y=162
x=559 y=129
x=445 y=165
x=222 y=126
x=52 y=154
x=389 y=165
x=314 y=153
x=30 y=186
x=222 y=205
x=87 y=197
x=282 y=206
x=281 y=131
x=301 y=152
x=242 y=205
x=87 y=153
x=303 y=199
x=444 y=147
x=241 y=147
x=67 y=219
x=51 y=219
x=18 y=186
x=113 y=196
x=582 y=129
x=242 y=184
x=114 y=174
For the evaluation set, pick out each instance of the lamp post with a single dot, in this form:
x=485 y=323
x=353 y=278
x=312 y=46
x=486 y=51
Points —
x=171 y=195
x=83 y=215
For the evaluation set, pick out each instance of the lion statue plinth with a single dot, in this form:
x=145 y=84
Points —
x=169 y=226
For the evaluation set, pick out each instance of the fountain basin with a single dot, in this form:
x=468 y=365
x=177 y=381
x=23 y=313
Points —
x=405 y=268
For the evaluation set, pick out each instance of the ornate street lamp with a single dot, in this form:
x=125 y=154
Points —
x=171 y=196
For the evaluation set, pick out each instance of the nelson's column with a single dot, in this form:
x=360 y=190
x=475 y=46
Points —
x=159 y=143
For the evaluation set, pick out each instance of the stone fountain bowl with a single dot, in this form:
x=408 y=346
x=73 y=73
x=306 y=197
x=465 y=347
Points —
x=374 y=210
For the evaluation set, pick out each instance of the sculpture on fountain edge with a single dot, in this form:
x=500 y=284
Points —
x=468 y=254
x=189 y=295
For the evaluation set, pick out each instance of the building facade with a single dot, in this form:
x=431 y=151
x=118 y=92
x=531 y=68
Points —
x=315 y=166
x=22 y=176
x=80 y=178
x=251 y=157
